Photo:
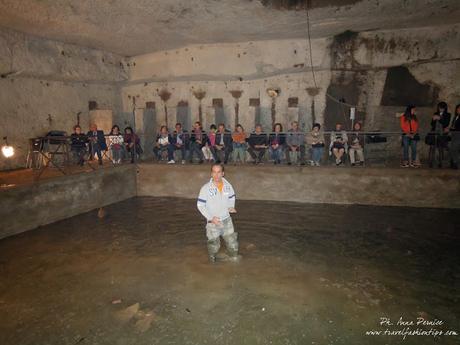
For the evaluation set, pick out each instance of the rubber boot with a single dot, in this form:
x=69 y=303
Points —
x=231 y=242
x=213 y=249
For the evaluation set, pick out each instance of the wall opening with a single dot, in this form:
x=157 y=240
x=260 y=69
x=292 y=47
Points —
x=293 y=102
x=183 y=114
x=401 y=88
x=219 y=115
x=92 y=105
x=150 y=127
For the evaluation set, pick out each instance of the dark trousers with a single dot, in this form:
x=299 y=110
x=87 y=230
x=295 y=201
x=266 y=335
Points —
x=432 y=154
x=225 y=151
x=196 y=147
x=95 y=148
x=79 y=154
x=132 y=152
x=256 y=154
x=180 y=148
x=454 y=148
x=158 y=150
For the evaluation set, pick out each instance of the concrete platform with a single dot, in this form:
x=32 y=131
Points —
x=28 y=204
x=331 y=185
x=20 y=177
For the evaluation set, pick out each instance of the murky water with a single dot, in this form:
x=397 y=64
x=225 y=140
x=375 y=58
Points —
x=310 y=274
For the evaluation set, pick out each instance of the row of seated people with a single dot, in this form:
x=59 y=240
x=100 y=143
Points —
x=220 y=144
x=443 y=134
x=95 y=143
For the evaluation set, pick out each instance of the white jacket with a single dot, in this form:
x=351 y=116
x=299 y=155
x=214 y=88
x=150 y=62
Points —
x=212 y=203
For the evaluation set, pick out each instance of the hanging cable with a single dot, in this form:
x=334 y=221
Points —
x=342 y=103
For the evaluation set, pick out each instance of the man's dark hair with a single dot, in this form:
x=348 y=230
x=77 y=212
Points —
x=442 y=105
x=218 y=165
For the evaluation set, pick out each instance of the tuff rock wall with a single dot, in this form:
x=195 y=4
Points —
x=378 y=71
x=48 y=85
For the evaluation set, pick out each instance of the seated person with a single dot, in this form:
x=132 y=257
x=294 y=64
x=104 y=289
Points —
x=315 y=139
x=180 y=141
x=356 y=145
x=162 y=144
x=277 y=142
x=78 y=142
x=97 y=142
x=197 y=141
x=132 y=143
x=258 y=143
x=224 y=144
x=295 y=141
x=338 y=144
x=239 y=144
x=116 y=144
x=210 y=143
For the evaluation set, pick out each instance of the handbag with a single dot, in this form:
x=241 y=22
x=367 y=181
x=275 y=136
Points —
x=430 y=139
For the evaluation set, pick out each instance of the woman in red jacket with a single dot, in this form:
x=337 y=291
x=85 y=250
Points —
x=409 y=127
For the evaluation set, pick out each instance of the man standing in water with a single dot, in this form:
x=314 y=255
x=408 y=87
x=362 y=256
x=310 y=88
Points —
x=215 y=202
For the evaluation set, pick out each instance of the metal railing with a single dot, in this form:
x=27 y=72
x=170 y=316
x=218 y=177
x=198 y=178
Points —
x=382 y=149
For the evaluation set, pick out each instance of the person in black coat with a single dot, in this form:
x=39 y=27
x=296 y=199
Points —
x=224 y=144
x=181 y=141
x=132 y=144
x=197 y=141
x=454 y=149
x=277 y=143
x=78 y=142
x=97 y=142
x=258 y=143
x=438 y=137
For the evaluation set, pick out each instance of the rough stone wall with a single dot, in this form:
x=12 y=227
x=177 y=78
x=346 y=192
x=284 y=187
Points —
x=379 y=71
x=254 y=104
x=384 y=71
x=46 y=85
x=235 y=76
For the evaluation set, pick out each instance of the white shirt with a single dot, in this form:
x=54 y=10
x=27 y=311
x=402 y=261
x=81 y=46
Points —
x=212 y=203
x=163 y=140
